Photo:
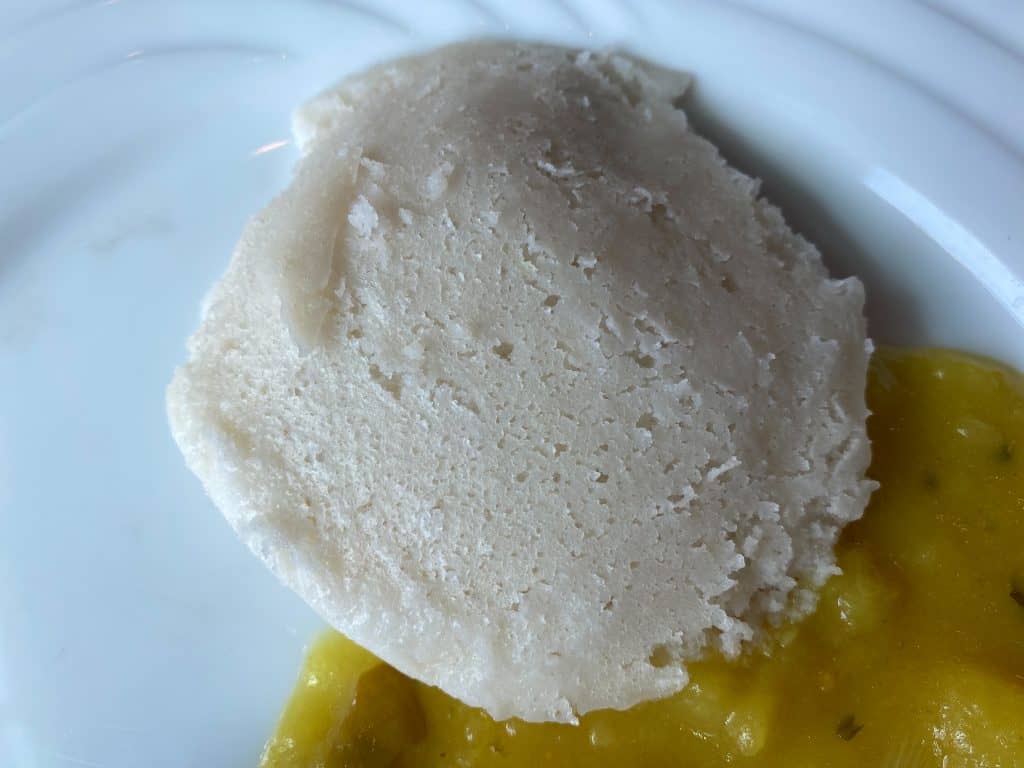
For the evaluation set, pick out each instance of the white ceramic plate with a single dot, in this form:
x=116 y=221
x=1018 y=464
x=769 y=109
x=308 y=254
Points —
x=135 y=139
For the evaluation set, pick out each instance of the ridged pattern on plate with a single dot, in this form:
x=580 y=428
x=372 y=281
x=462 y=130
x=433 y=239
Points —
x=950 y=41
x=942 y=56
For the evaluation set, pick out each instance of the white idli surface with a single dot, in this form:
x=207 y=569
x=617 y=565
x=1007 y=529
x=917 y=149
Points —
x=524 y=389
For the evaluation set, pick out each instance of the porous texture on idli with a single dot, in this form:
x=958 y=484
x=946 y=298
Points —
x=523 y=388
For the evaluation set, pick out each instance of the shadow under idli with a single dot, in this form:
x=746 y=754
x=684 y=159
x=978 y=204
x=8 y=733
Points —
x=892 y=317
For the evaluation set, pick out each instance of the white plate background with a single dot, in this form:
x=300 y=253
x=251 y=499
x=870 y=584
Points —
x=136 y=137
